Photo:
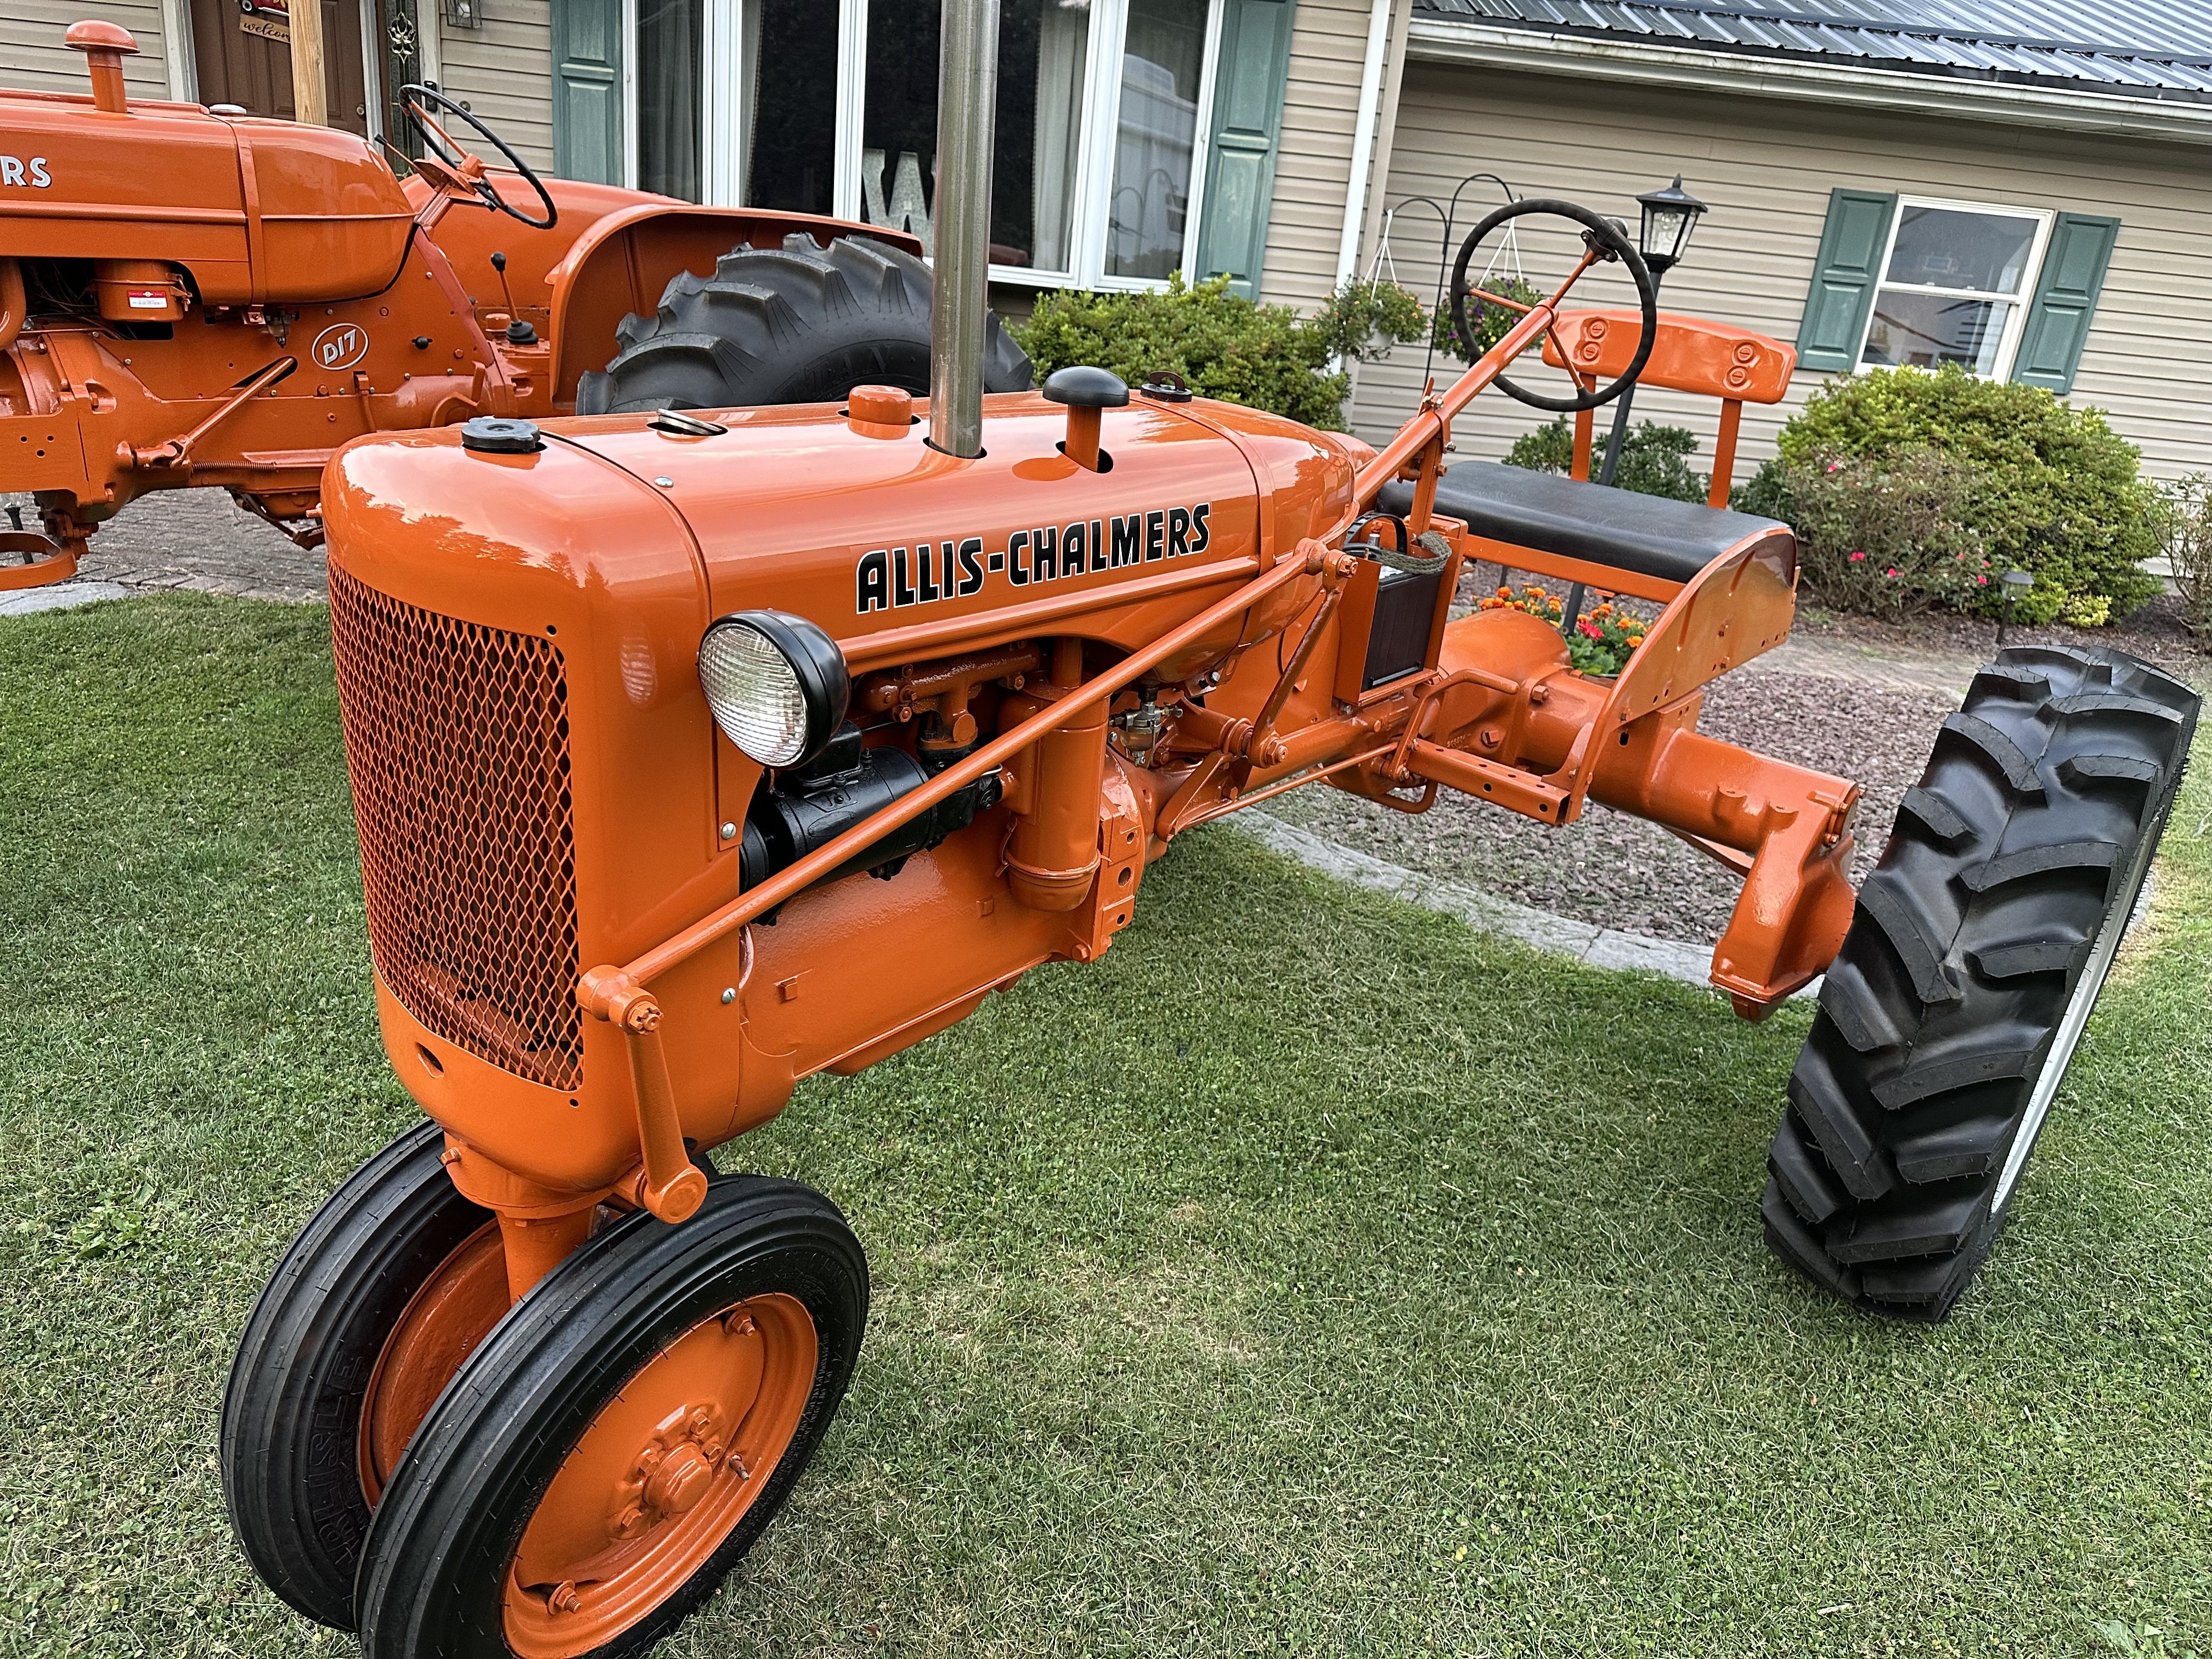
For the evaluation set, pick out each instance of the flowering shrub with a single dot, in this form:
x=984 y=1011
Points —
x=1603 y=638
x=2051 y=489
x=1889 y=535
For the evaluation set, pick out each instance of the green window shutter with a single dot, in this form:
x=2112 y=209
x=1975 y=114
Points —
x=2065 y=300
x=587 y=95
x=1247 y=120
x=1844 y=278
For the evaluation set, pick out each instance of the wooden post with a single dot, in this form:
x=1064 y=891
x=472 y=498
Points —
x=310 y=102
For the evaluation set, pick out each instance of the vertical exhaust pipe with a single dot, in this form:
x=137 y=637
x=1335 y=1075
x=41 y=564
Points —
x=967 y=105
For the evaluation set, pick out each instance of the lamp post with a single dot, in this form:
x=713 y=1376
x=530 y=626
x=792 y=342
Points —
x=1669 y=216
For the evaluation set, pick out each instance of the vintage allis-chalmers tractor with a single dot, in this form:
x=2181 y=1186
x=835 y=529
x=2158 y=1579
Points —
x=190 y=297
x=694 y=753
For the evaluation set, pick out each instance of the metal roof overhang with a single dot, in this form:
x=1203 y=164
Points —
x=1453 y=40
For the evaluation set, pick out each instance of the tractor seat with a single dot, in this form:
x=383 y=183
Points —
x=1670 y=541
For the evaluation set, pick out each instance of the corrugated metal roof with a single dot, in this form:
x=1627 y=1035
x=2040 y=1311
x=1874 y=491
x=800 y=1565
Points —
x=2132 y=48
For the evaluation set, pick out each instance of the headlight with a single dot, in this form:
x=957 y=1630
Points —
x=777 y=683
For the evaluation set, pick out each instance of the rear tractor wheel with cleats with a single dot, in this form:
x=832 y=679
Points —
x=1980 y=942
x=612 y=1450
x=796 y=324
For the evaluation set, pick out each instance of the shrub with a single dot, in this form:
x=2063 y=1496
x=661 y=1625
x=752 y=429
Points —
x=2184 y=535
x=1225 y=346
x=2051 y=489
x=1654 y=458
x=1765 y=494
x=1887 y=535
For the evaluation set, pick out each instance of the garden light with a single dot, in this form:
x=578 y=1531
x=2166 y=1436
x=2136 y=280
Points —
x=1669 y=216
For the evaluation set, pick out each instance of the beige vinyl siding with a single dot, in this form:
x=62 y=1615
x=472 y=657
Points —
x=503 y=71
x=1313 y=160
x=34 y=58
x=1767 y=167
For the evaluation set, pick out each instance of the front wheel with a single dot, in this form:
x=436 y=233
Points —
x=374 y=1306
x=1980 y=943
x=612 y=1451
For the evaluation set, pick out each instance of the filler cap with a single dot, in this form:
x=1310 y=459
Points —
x=1081 y=386
x=497 y=434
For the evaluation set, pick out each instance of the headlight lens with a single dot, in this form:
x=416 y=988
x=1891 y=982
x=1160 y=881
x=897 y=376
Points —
x=777 y=683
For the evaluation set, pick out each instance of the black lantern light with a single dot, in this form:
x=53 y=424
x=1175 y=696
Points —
x=1669 y=216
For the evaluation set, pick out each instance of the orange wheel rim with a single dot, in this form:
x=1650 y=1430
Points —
x=436 y=1332
x=660 y=1477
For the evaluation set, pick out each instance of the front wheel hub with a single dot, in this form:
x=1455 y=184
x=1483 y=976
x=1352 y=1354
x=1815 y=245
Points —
x=660 y=1477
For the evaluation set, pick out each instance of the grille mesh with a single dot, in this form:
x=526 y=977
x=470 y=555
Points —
x=457 y=738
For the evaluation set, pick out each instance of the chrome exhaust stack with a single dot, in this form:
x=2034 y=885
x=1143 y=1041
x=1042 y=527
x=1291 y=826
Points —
x=967 y=106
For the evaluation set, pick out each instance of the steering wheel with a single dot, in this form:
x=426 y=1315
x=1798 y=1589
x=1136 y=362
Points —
x=463 y=168
x=1606 y=242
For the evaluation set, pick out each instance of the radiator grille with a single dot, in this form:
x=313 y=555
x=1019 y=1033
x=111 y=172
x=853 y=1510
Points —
x=457 y=738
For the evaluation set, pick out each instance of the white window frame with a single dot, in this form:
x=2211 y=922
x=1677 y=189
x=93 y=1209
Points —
x=728 y=117
x=2018 y=304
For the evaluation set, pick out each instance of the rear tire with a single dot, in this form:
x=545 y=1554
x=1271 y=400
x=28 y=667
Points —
x=1980 y=942
x=534 y=1512
x=799 y=325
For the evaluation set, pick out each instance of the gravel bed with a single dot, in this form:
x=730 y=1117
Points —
x=1618 y=871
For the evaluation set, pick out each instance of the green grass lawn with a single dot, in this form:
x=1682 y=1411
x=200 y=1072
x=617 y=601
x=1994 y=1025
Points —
x=1308 y=1276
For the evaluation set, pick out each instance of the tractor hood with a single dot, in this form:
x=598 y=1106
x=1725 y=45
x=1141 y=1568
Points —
x=261 y=212
x=896 y=549
x=602 y=557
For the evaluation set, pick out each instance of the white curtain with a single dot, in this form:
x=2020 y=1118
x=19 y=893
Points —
x=749 y=33
x=1063 y=43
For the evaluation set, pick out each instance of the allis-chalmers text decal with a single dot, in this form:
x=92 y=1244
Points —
x=892 y=578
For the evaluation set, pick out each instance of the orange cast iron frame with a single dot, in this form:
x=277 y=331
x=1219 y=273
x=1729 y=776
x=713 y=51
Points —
x=277 y=291
x=698 y=1017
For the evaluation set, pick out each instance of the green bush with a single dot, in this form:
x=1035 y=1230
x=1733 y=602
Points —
x=2054 y=490
x=1888 y=536
x=1654 y=460
x=1765 y=494
x=1225 y=346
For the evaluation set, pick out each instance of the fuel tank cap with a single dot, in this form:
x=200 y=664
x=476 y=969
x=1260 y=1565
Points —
x=499 y=434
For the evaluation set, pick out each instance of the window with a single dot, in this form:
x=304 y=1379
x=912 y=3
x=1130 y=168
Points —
x=830 y=106
x=669 y=36
x=1955 y=286
x=1155 y=138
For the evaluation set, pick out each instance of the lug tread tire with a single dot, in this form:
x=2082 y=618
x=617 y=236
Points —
x=795 y=324
x=291 y=1414
x=2023 y=846
x=439 y=1548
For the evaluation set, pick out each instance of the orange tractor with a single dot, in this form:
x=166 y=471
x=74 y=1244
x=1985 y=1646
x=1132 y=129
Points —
x=703 y=747
x=197 y=297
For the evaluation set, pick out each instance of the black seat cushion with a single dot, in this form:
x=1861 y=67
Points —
x=1650 y=535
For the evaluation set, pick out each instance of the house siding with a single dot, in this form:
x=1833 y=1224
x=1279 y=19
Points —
x=503 y=71
x=34 y=59
x=1766 y=168
x=1312 y=164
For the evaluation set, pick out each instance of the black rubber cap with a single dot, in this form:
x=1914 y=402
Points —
x=496 y=435
x=1082 y=386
